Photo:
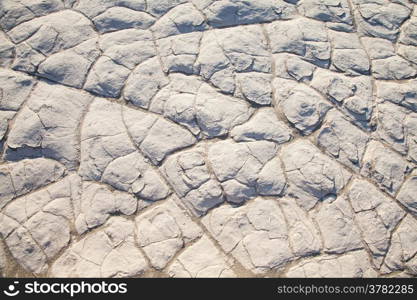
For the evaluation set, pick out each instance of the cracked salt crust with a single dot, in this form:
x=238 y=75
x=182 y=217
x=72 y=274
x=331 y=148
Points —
x=208 y=138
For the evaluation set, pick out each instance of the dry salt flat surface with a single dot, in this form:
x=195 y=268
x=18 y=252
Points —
x=208 y=138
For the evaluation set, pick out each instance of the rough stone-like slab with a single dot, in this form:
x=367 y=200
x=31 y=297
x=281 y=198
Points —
x=385 y=167
x=25 y=176
x=377 y=216
x=303 y=107
x=48 y=125
x=163 y=231
x=336 y=14
x=353 y=95
x=201 y=259
x=265 y=125
x=407 y=193
x=14 y=13
x=226 y=13
x=402 y=251
x=336 y=222
x=97 y=203
x=36 y=227
x=304 y=37
x=342 y=140
x=259 y=243
x=16 y=88
x=241 y=64
x=261 y=236
x=348 y=55
x=110 y=252
x=312 y=175
x=199 y=107
x=247 y=169
x=189 y=175
x=352 y=264
x=401 y=93
x=42 y=37
x=381 y=18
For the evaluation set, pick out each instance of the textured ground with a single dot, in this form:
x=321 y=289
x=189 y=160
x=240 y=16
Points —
x=208 y=138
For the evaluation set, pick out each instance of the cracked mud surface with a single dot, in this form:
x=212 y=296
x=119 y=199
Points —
x=208 y=138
